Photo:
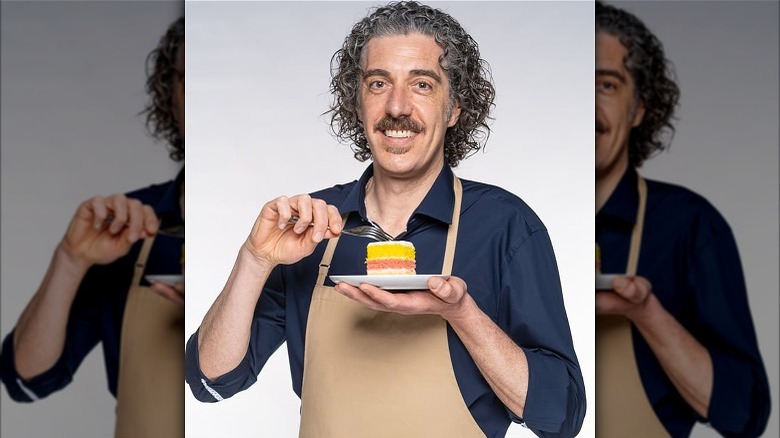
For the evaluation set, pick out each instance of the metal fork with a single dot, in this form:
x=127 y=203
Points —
x=368 y=231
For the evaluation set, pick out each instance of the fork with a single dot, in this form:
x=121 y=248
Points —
x=368 y=231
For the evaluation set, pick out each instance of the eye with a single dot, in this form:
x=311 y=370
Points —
x=423 y=86
x=376 y=85
x=607 y=86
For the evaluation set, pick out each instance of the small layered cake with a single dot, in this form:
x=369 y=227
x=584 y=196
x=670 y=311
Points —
x=390 y=258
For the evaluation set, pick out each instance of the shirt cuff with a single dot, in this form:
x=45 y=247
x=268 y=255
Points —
x=547 y=397
x=214 y=390
x=35 y=388
x=739 y=403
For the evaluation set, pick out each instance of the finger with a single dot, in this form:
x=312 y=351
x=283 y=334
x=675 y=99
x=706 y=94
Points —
x=302 y=204
x=334 y=222
x=633 y=289
x=135 y=219
x=282 y=207
x=97 y=205
x=356 y=294
x=151 y=222
x=118 y=206
x=320 y=219
x=610 y=303
x=168 y=292
x=450 y=291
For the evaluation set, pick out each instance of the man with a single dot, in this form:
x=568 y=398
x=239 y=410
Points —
x=97 y=286
x=454 y=360
x=675 y=341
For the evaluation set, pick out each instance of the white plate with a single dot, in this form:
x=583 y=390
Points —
x=170 y=280
x=604 y=281
x=388 y=282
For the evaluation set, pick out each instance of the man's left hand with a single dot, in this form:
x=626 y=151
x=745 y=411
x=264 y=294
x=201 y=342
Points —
x=628 y=297
x=444 y=298
x=174 y=293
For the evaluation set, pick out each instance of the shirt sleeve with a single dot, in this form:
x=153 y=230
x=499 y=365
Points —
x=82 y=334
x=739 y=404
x=533 y=313
x=266 y=335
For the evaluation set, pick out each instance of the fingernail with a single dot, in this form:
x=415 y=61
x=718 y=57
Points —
x=437 y=282
x=318 y=236
x=620 y=282
x=282 y=225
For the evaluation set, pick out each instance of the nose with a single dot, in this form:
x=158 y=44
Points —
x=399 y=102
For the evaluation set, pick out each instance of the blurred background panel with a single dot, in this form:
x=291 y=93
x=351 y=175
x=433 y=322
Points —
x=726 y=148
x=71 y=87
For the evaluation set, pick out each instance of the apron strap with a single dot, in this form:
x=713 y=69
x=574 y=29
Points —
x=636 y=233
x=452 y=233
x=140 y=262
x=328 y=255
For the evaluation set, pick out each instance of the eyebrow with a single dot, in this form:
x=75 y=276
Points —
x=614 y=73
x=417 y=72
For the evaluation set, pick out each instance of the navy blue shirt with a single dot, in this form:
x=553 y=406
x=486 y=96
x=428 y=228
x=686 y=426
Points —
x=689 y=255
x=99 y=305
x=503 y=254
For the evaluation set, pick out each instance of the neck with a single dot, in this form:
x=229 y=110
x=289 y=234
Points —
x=607 y=182
x=391 y=201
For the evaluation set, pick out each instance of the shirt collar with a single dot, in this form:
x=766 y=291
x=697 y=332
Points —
x=437 y=204
x=624 y=201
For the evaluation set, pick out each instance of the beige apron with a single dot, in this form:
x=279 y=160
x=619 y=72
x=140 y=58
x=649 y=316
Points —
x=622 y=407
x=380 y=374
x=150 y=392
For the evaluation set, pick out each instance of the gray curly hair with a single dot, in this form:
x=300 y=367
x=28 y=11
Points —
x=471 y=84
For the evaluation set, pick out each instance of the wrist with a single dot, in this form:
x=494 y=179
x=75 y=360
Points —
x=643 y=314
x=249 y=256
x=70 y=260
x=463 y=312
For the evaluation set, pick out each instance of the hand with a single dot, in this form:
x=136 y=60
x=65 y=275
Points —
x=275 y=241
x=174 y=293
x=444 y=298
x=628 y=298
x=105 y=228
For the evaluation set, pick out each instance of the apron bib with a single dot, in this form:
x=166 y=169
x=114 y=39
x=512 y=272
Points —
x=150 y=392
x=380 y=374
x=622 y=407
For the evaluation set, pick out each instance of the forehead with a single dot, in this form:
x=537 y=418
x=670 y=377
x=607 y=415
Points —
x=610 y=53
x=402 y=52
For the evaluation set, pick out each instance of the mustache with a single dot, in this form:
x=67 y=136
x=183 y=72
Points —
x=398 y=124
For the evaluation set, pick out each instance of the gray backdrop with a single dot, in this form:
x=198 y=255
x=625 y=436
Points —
x=726 y=146
x=72 y=85
x=258 y=76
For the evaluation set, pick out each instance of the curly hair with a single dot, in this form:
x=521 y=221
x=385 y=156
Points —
x=654 y=81
x=471 y=83
x=160 y=73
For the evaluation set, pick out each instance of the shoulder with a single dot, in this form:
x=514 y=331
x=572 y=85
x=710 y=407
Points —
x=335 y=194
x=494 y=204
x=153 y=193
x=685 y=213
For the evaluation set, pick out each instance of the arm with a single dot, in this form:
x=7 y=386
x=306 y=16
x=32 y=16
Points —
x=225 y=333
x=684 y=359
x=92 y=238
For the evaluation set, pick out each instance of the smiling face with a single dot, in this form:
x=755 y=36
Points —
x=617 y=109
x=404 y=105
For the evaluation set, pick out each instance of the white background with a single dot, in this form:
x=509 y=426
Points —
x=72 y=86
x=258 y=76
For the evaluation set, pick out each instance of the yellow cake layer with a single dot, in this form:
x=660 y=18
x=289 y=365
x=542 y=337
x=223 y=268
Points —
x=379 y=250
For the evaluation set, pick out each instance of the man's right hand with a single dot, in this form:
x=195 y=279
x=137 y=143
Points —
x=274 y=240
x=105 y=228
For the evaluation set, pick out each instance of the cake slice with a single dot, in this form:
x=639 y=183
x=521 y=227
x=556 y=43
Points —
x=390 y=258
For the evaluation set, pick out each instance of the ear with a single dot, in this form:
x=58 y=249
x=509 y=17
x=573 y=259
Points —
x=639 y=114
x=454 y=115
